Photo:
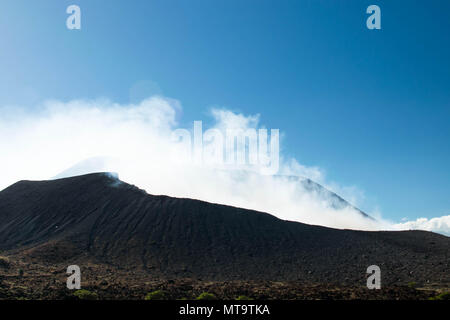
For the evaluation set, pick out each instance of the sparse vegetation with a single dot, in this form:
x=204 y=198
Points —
x=156 y=295
x=206 y=296
x=20 y=272
x=442 y=296
x=4 y=262
x=85 y=295
x=119 y=264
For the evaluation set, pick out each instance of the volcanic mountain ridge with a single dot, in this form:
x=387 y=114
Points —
x=98 y=218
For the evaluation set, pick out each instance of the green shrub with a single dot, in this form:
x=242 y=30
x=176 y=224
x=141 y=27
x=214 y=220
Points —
x=155 y=295
x=20 y=272
x=442 y=296
x=206 y=296
x=412 y=284
x=85 y=295
x=243 y=298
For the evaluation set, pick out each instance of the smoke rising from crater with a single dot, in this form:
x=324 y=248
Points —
x=61 y=139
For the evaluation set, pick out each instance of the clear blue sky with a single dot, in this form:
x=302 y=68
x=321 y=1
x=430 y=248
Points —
x=370 y=107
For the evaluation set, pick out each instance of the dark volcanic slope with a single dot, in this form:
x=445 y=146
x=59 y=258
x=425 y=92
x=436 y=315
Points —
x=97 y=217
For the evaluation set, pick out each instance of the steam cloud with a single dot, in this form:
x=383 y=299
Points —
x=136 y=141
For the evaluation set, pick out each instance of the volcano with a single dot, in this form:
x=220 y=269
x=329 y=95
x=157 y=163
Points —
x=97 y=218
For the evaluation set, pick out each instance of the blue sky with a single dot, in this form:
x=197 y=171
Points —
x=370 y=107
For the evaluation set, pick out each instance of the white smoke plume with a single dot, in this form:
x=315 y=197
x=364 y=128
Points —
x=439 y=225
x=136 y=141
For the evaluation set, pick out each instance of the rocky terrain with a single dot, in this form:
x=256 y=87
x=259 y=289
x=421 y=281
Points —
x=128 y=242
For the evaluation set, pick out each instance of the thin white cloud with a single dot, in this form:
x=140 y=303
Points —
x=439 y=225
